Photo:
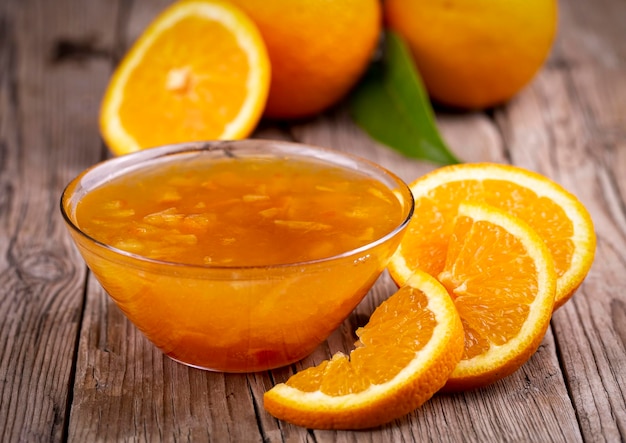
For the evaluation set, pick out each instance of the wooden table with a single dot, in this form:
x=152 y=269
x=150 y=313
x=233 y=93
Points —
x=73 y=368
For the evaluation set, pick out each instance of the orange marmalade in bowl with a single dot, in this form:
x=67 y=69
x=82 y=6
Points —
x=237 y=256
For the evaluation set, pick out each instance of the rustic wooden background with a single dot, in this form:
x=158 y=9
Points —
x=72 y=368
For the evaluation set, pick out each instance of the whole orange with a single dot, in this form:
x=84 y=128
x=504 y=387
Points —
x=318 y=49
x=475 y=53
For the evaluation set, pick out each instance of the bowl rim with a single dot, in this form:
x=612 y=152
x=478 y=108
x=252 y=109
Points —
x=135 y=160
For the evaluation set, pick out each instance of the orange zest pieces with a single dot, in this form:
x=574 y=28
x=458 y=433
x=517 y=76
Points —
x=200 y=71
x=555 y=214
x=404 y=355
x=501 y=276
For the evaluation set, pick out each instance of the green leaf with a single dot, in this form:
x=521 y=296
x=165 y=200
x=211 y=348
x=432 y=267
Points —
x=392 y=106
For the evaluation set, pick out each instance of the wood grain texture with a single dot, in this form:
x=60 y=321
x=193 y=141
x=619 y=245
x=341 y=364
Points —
x=49 y=93
x=72 y=368
x=591 y=102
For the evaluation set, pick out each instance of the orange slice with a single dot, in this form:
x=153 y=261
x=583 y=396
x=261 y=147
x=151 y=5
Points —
x=200 y=71
x=557 y=216
x=404 y=355
x=501 y=277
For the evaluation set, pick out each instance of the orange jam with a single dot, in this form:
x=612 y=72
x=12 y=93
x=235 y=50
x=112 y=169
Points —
x=240 y=212
x=253 y=260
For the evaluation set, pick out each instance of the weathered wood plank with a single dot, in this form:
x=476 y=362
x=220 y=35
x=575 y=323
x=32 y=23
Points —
x=50 y=76
x=580 y=103
x=587 y=107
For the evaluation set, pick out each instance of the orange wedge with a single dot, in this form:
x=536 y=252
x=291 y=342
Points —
x=200 y=71
x=501 y=276
x=404 y=355
x=554 y=213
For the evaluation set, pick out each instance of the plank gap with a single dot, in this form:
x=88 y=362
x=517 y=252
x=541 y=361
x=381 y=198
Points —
x=558 y=350
x=71 y=381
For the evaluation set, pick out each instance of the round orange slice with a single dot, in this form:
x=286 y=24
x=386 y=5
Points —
x=557 y=216
x=501 y=276
x=404 y=355
x=200 y=71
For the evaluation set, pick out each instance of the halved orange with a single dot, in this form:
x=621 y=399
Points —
x=404 y=355
x=557 y=216
x=501 y=276
x=200 y=71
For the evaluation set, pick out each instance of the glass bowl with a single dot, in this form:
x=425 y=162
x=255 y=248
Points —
x=233 y=317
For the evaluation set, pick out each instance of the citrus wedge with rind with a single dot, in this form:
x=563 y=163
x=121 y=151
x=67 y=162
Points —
x=553 y=212
x=501 y=276
x=200 y=71
x=404 y=355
